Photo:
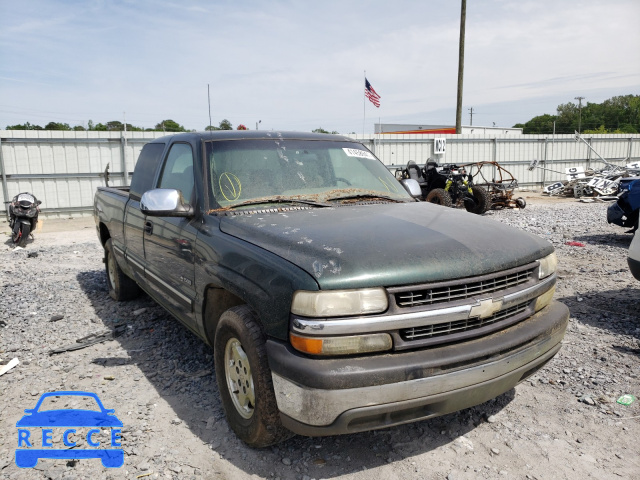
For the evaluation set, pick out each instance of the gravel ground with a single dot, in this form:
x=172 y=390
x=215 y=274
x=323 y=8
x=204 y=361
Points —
x=562 y=423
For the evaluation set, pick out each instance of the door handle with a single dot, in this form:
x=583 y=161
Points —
x=148 y=227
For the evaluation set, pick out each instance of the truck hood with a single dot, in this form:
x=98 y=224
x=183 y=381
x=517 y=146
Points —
x=387 y=244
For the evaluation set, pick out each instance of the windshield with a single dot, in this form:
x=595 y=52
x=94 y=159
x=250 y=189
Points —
x=257 y=171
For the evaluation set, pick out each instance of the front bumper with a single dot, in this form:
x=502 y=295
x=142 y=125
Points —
x=332 y=396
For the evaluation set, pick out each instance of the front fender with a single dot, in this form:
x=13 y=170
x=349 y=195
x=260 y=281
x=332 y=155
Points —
x=261 y=279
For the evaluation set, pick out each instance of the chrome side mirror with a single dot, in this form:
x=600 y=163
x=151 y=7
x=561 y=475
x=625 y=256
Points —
x=165 y=202
x=412 y=186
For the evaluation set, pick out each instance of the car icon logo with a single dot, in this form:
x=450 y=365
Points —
x=79 y=425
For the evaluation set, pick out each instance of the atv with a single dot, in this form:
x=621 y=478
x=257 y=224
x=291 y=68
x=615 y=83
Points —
x=448 y=185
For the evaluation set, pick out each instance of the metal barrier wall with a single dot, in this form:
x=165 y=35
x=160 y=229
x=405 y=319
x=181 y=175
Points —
x=513 y=152
x=63 y=169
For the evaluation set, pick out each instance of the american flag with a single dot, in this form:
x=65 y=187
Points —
x=371 y=94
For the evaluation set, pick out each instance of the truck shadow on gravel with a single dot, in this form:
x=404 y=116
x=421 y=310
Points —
x=620 y=239
x=179 y=366
x=615 y=310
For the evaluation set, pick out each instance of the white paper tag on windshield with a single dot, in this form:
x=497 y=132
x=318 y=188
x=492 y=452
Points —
x=354 y=152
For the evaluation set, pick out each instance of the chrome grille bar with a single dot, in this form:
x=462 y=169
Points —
x=447 y=328
x=430 y=296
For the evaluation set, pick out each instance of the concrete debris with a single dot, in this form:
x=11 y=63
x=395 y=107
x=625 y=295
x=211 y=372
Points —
x=580 y=182
x=91 y=339
x=5 y=368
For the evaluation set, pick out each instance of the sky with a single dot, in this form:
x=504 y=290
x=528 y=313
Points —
x=300 y=65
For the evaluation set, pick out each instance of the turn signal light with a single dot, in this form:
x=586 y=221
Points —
x=348 y=345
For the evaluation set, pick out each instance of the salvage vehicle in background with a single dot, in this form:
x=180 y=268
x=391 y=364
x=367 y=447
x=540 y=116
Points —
x=23 y=217
x=634 y=256
x=499 y=182
x=448 y=185
x=335 y=302
x=626 y=210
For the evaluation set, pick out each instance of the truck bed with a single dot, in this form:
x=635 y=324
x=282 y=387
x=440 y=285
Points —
x=124 y=191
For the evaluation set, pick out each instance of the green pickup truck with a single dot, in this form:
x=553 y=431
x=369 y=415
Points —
x=334 y=301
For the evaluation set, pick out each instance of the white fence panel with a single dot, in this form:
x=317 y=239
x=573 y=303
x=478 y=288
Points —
x=63 y=169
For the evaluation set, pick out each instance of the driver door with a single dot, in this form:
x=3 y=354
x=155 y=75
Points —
x=169 y=242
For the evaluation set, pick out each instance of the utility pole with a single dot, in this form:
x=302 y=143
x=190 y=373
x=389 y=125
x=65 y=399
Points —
x=579 y=112
x=463 y=17
x=471 y=119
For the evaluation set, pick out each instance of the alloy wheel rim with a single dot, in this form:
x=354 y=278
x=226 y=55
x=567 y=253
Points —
x=112 y=271
x=237 y=372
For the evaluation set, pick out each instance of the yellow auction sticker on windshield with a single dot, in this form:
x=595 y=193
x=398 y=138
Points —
x=230 y=186
x=355 y=152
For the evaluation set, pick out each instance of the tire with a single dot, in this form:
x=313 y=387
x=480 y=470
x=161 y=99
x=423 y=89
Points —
x=439 y=196
x=121 y=287
x=244 y=379
x=521 y=202
x=482 y=201
x=20 y=239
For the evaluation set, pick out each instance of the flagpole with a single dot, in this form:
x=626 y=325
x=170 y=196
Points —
x=364 y=106
x=379 y=132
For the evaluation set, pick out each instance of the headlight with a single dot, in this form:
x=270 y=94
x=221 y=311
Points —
x=548 y=265
x=353 y=344
x=336 y=303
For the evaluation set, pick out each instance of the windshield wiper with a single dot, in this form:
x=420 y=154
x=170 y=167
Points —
x=366 y=195
x=262 y=201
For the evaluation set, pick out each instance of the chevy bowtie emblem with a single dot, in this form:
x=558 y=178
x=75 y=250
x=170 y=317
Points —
x=485 y=308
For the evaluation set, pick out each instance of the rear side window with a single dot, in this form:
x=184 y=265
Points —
x=145 y=170
x=178 y=170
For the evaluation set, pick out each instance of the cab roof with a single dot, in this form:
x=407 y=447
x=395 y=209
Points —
x=251 y=135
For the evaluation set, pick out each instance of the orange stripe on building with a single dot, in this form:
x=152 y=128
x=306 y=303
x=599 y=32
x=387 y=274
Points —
x=423 y=131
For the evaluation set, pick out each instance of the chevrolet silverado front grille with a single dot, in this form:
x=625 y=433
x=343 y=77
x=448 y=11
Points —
x=460 y=291
x=448 y=328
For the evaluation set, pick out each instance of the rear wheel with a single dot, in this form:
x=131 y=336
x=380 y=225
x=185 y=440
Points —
x=121 y=287
x=439 y=196
x=21 y=234
x=521 y=202
x=481 y=201
x=244 y=379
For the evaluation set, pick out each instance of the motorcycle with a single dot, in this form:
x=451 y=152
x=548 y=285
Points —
x=23 y=217
x=626 y=210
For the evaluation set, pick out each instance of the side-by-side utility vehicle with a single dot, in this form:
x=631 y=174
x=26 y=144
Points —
x=334 y=300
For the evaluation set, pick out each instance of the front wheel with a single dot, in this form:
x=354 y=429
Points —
x=20 y=234
x=481 y=201
x=439 y=196
x=244 y=379
x=121 y=287
x=521 y=202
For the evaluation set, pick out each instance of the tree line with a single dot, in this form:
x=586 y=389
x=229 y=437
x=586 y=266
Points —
x=117 y=126
x=615 y=115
